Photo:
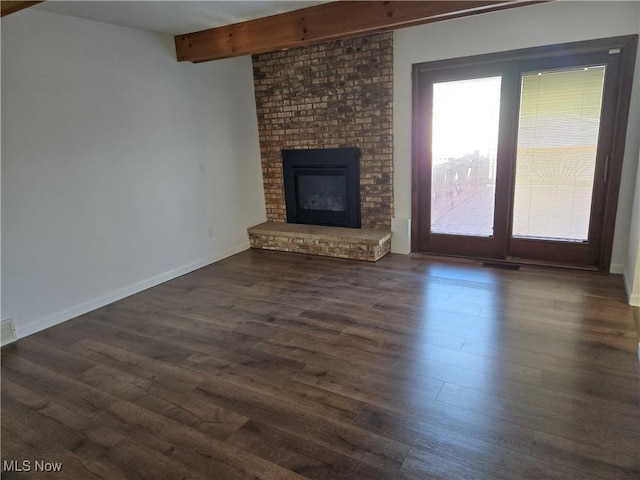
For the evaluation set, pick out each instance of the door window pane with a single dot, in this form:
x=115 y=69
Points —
x=556 y=155
x=466 y=116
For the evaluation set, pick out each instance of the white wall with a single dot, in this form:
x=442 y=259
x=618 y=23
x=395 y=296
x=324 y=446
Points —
x=117 y=160
x=523 y=27
x=632 y=269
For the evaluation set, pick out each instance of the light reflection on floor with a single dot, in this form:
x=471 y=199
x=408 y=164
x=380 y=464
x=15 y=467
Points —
x=452 y=299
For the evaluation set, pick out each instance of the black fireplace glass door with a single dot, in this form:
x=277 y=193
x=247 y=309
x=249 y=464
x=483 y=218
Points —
x=321 y=196
x=322 y=192
x=322 y=186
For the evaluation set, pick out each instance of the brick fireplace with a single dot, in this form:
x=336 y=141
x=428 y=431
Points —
x=333 y=95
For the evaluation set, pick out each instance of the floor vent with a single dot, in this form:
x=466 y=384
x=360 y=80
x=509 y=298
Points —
x=501 y=265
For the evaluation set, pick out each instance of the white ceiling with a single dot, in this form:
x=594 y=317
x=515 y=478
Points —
x=172 y=17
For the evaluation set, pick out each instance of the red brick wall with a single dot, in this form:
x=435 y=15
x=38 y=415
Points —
x=338 y=94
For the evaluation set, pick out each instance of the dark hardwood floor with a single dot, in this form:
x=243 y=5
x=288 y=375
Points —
x=280 y=366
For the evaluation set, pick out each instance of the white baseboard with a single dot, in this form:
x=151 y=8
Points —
x=617 y=268
x=7 y=332
x=401 y=238
x=57 y=318
x=632 y=298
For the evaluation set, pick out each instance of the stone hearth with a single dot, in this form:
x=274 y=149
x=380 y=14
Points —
x=353 y=243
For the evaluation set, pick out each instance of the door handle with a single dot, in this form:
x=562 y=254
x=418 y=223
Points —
x=605 y=175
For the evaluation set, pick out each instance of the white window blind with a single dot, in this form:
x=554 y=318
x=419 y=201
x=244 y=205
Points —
x=556 y=155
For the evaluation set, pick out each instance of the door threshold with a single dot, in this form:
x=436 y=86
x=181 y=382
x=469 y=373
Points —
x=507 y=262
x=501 y=265
x=542 y=263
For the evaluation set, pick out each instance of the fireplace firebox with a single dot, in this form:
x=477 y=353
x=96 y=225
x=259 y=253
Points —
x=322 y=186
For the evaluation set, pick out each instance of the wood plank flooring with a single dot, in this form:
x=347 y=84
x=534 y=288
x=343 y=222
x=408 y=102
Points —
x=272 y=365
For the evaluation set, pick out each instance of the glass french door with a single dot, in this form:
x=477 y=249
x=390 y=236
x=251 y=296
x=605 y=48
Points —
x=562 y=151
x=464 y=145
x=512 y=158
x=458 y=184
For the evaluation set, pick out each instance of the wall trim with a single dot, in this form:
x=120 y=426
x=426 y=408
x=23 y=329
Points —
x=617 y=268
x=401 y=239
x=38 y=325
x=632 y=298
x=7 y=332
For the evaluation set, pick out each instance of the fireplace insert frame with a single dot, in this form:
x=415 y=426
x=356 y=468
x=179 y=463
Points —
x=322 y=162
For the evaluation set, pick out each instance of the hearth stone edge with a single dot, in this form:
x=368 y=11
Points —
x=339 y=242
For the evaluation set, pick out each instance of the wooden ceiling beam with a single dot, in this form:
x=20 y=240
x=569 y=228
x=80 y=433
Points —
x=11 y=6
x=329 y=21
